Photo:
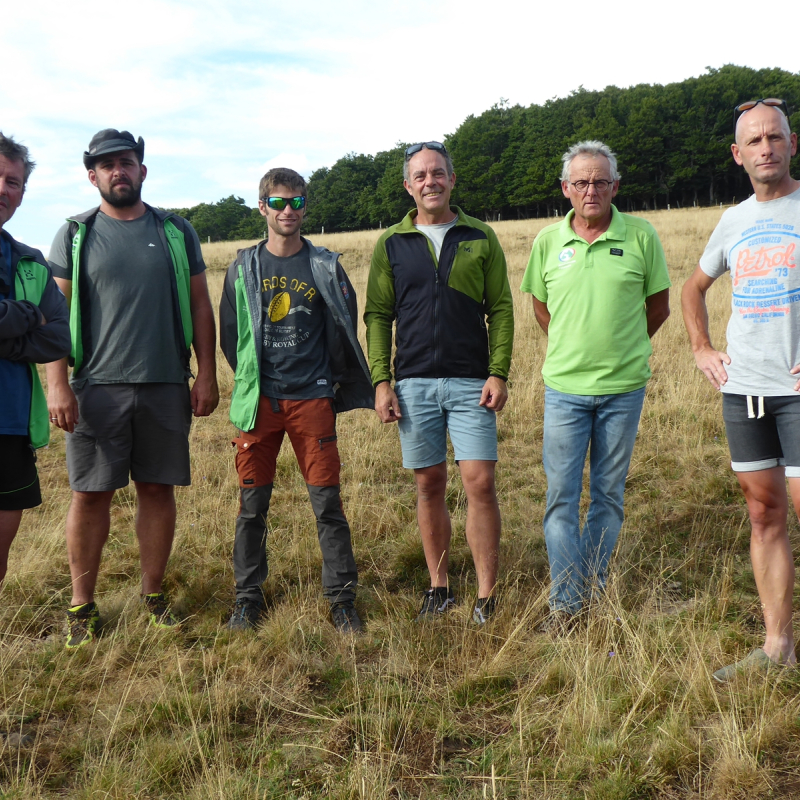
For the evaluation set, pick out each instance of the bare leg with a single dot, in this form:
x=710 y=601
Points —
x=483 y=521
x=771 y=555
x=88 y=522
x=155 y=530
x=434 y=520
x=9 y=525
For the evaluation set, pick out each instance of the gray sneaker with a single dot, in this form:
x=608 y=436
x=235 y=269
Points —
x=757 y=661
x=345 y=618
x=246 y=615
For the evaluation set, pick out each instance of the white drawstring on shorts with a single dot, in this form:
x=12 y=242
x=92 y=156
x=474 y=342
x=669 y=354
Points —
x=750 y=412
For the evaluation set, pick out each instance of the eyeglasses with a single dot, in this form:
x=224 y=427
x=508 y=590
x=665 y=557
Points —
x=773 y=102
x=279 y=203
x=583 y=186
x=415 y=148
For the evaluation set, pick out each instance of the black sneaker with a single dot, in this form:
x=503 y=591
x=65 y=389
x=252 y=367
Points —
x=435 y=602
x=246 y=615
x=82 y=623
x=345 y=618
x=159 y=611
x=484 y=610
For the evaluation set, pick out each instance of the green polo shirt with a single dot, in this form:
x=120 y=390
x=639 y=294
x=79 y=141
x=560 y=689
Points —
x=597 y=339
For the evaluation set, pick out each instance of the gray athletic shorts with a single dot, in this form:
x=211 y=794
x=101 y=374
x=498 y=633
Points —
x=136 y=429
x=763 y=433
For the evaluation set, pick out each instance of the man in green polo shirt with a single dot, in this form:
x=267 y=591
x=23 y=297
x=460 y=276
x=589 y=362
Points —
x=600 y=290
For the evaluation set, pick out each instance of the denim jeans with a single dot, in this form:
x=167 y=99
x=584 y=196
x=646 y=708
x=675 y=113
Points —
x=571 y=424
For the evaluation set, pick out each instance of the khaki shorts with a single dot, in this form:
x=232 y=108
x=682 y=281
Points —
x=139 y=430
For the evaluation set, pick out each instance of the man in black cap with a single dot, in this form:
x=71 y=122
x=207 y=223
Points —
x=134 y=279
x=33 y=329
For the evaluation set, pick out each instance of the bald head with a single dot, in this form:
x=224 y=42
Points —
x=757 y=117
x=764 y=146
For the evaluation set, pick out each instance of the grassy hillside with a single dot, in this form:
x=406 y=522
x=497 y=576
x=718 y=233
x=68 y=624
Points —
x=623 y=708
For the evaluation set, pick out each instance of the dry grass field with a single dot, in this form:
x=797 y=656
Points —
x=623 y=708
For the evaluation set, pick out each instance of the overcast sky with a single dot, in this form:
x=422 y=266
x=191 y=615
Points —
x=223 y=91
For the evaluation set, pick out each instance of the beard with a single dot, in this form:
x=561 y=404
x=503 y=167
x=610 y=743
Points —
x=122 y=195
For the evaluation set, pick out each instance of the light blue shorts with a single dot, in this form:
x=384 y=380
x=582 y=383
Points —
x=431 y=407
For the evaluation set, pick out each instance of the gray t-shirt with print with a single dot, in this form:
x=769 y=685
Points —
x=758 y=244
x=130 y=333
x=294 y=355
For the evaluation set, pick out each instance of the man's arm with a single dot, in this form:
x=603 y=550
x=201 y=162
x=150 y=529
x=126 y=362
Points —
x=657 y=310
x=541 y=313
x=42 y=331
x=378 y=317
x=61 y=402
x=499 y=310
x=205 y=393
x=695 y=316
x=387 y=405
x=379 y=314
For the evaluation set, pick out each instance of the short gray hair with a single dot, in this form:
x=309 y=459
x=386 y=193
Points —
x=448 y=162
x=14 y=151
x=591 y=147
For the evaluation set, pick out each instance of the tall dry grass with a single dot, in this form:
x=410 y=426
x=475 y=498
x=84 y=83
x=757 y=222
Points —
x=622 y=708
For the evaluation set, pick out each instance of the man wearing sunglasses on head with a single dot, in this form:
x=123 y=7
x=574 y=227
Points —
x=441 y=277
x=759 y=375
x=288 y=329
x=600 y=290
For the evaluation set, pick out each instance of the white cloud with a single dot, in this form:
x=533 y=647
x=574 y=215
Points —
x=222 y=91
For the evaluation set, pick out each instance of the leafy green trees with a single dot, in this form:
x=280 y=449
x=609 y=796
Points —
x=672 y=142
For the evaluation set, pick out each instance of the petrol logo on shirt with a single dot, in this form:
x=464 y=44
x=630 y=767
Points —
x=616 y=251
x=764 y=286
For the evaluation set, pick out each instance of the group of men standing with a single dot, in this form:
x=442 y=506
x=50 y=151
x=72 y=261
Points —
x=132 y=278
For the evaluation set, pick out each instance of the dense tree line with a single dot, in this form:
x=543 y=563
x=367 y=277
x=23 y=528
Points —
x=228 y=219
x=672 y=141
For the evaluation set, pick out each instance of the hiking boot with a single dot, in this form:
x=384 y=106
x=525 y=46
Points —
x=484 y=610
x=82 y=623
x=246 y=615
x=159 y=611
x=345 y=617
x=558 y=623
x=436 y=602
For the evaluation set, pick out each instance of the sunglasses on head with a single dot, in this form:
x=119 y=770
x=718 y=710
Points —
x=415 y=148
x=279 y=203
x=774 y=102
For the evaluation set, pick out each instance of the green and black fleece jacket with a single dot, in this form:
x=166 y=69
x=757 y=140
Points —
x=441 y=308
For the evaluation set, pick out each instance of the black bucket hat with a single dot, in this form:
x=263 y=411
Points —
x=111 y=140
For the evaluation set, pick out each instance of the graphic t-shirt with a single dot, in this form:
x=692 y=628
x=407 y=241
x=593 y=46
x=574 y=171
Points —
x=294 y=356
x=758 y=244
x=130 y=331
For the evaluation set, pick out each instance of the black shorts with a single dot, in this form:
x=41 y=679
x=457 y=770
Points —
x=19 y=481
x=766 y=441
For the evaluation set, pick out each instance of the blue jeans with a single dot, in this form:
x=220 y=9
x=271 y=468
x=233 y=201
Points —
x=571 y=422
